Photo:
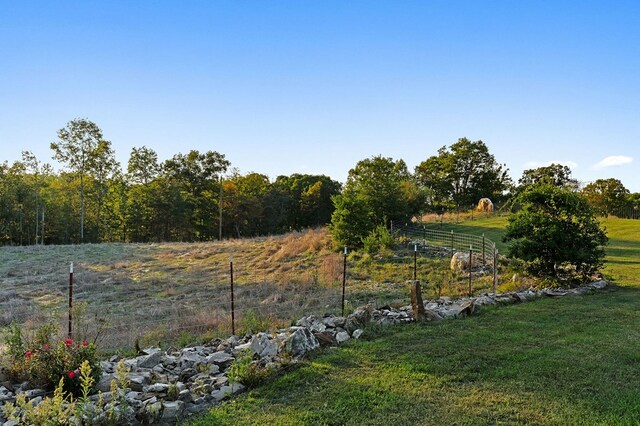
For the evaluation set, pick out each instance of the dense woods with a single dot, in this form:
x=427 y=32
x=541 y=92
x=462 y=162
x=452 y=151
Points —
x=198 y=196
x=189 y=197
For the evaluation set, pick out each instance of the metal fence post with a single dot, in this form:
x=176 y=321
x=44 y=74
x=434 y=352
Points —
x=344 y=278
x=495 y=270
x=470 y=266
x=484 y=262
x=233 y=307
x=452 y=249
x=70 y=300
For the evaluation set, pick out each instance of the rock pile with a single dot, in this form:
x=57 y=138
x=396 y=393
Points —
x=166 y=386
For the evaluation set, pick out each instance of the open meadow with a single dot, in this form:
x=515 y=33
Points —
x=177 y=293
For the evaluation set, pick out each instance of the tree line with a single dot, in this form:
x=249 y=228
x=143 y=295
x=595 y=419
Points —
x=380 y=191
x=195 y=196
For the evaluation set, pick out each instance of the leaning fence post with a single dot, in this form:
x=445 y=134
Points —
x=70 y=300
x=344 y=278
x=470 y=266
x=233 y=307
x=415 y=262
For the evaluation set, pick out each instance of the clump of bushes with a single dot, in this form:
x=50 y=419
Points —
x=46 y=360
x=378 y=240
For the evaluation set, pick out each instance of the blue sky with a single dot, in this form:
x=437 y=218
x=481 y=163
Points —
x=281 y=87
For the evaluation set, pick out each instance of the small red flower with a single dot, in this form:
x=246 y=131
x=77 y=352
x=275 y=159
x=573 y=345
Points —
x=46 y=347
x=84 y=344
x=68 y=343
x=28 y=355
x=71 y=375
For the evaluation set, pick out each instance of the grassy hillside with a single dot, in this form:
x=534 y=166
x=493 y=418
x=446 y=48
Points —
x=622 y=261
x=554 y=361
x=623 y=256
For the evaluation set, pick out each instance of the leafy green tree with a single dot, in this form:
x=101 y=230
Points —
x=197 y=177
x=633 y=200
x=462 y=174
x=105 y=171
x=554 y=174
x=143 y=166
x=309 y=199
x=606 y=195
x=556 y=232
x=351 y=221
x=380 y=182
x=37 y=173
x=76 y=146
x=377 y=192
x=140 y=216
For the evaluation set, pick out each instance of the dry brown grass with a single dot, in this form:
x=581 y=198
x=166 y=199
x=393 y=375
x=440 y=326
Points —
x=166 y=291
x=142 y=289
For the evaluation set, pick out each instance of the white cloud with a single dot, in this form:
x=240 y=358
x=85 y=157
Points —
x=612 y=161
x=535 y=164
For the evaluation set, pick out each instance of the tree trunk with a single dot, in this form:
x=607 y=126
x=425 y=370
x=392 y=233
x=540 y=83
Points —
x=81 y=208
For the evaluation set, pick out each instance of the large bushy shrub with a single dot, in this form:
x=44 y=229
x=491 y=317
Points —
x=556 y=233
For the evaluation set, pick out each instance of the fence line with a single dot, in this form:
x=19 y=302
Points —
x=124 y=308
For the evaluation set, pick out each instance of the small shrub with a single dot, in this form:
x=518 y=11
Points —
x=378 y=239
x=59 y=409
x=248 y=372
x=252 y=323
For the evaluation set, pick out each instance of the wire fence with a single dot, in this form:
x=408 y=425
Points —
x=128 y=303
x=626 y=213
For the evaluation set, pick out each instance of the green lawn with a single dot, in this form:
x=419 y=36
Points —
x=623 y=251
x=554 y=361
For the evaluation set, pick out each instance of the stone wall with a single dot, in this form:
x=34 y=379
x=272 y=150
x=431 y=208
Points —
x=166 y=386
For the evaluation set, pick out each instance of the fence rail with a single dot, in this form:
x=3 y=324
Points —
x=481 y=246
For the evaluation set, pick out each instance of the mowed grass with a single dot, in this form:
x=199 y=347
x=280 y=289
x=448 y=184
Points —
x=623 y=254
x=573 y=360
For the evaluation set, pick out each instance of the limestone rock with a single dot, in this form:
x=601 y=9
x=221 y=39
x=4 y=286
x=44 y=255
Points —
x=301 y=341
x=149 y=361
x=265 y=347
x=460 y=261
x=157 y=387
x=356 y=334
x=138 y=380
x=358 y=319
x=172 y=410
x=326 y=339
x=598 y=285
x=220 y=358
x=342 y=337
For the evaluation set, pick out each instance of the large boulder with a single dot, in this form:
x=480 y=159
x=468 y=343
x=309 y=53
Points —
x=462 y=261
